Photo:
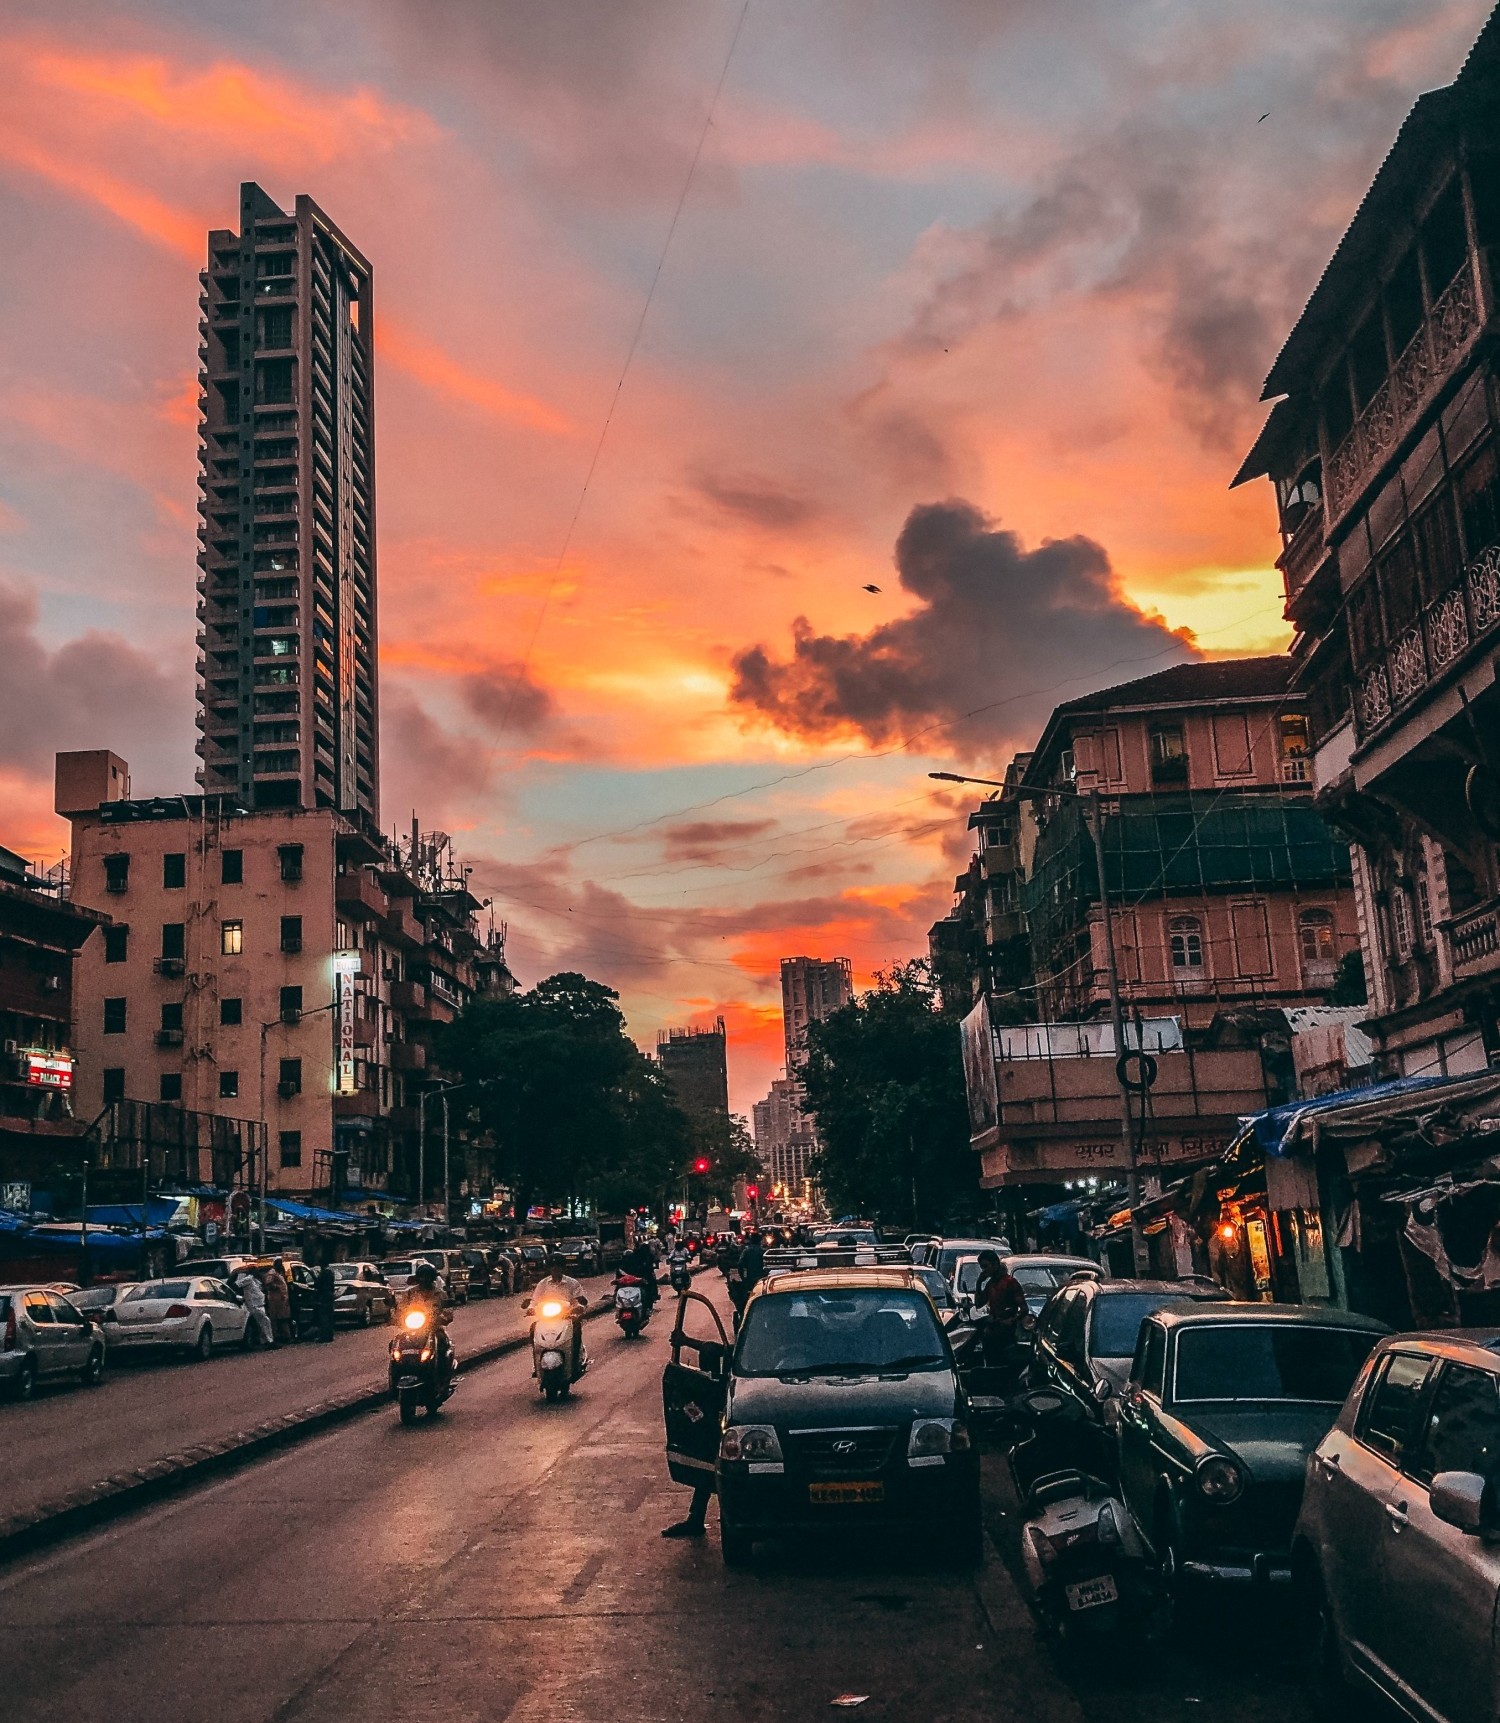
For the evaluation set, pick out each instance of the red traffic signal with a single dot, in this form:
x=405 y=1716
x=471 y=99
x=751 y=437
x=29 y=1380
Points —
x=752 y=1191
x=701 y=1164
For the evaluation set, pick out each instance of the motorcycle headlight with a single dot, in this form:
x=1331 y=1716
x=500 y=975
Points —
x=1219 y=1480
x=552 y=1309
x=415 y=1319
x=931 y=1438
x=758 y=1442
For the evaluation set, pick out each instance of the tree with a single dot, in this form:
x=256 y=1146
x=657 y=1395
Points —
x=575 y=1108
x=884 y=1080
x=724 y=1141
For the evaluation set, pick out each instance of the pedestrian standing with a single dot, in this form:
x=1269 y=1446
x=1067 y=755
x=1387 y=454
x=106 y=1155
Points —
x=279 y=1302
x=247 y=1284
x=323 y=1296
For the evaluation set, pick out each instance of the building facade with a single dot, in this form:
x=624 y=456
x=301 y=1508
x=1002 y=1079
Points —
x=785 y=1140
x=812 y=988
x=696 y=1064
x=288 y=705
x=279 y=966
x=1384 y=449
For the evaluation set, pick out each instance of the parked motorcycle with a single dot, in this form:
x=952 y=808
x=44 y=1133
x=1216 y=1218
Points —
x=552 y=1355
x=423 y=1364
x=632 y=1310
x=1084 y=1560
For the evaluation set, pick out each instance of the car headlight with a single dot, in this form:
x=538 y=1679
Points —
x=756 y=1442
x=933 y=1437
x=1219 y=1480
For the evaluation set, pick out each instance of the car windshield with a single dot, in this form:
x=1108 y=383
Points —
x=158 y=1289
x=966 y=1278
x=942 y=1293
x=346 y=1271
x=1118 y=1318
x=840 y=1331
x=1268 y=1361
x=398 y=1268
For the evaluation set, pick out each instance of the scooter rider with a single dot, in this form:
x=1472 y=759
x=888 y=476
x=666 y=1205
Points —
x=641 y=1262
x=561 y=1286
x=428 y=1291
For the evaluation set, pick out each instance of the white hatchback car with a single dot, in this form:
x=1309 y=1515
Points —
x=188 y=1316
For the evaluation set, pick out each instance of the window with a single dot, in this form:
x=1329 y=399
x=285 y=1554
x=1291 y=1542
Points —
x=291 y=861
x=114 y=1083
x=1315 y=938
x=1478 y=486
x=116 y=873
x=1231 y=732
x=1168 y=755
x=1294 y=749
x=229 y=1085
x=291 y=1002
x=231 y=1012
x=174 y=939
x=291 y=933
x=1463 y=1427
x=116 y=944
x=174 y=871
x=1424 y=911
x=1269 y=1361
x=114 y=1016
x=171 y=1085
x=1150 y=1367
x=291 y=1148
x=1445 y=238
x=1401 y=922
x=1388 y=1421
x=1252 y=939
x=232 y=941
x=289 y=1082
x=232 y=867
x=1185 y=938
x=171 y=1015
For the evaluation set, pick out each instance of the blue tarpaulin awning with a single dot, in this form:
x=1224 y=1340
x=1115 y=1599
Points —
x=308 y=1211
x=1275 y=1129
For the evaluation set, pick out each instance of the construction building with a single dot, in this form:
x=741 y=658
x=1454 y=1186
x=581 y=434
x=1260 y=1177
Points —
x=696 y=1065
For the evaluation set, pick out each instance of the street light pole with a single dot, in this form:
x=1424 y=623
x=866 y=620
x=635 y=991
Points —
x=1093 y=818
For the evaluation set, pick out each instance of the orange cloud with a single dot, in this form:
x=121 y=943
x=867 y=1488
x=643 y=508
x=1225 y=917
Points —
x=434 y=369
x=172 y=229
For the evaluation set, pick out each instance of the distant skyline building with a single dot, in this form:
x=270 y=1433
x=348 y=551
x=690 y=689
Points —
x=288 y=705
x=812 y=988
x=784 y=1138
x=696 y=1064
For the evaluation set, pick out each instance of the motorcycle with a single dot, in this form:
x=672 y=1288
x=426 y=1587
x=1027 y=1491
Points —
x=423 y=1366
x=632 y=1311
x=552 y=1363
x=679 y=1274
x=1084 y=1560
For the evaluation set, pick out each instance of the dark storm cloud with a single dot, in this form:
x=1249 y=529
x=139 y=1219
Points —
x=93 y=692
x=424 y=766
x=997 y=623
x=505 y=697
x=760 y=501
x=706 y=840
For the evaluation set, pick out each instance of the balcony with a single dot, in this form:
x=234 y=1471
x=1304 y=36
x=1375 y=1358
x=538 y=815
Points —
x=401 y=922
x=362 y=1104
x=1428 y=360
x=408 y=996
x=171 y=967
x=1474 y=939
x=1456 y=620
x=359 y=894
x=408 y=1056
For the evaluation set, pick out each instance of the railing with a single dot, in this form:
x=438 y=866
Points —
x=1474 y=939
x=1449 y=626
x=1398 y=400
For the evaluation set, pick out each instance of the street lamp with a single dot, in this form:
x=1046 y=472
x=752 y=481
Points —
x=444 y=1090
x=1093 y=819
x=287 y=1020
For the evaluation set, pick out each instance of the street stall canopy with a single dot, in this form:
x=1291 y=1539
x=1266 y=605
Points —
x=328 y=1216
x=1277 y=1130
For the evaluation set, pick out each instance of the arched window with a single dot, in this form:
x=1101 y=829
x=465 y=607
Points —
x=1185 y=940
x=1315 y=934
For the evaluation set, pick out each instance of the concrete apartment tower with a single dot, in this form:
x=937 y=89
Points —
x=812 y=988
x=287 y=687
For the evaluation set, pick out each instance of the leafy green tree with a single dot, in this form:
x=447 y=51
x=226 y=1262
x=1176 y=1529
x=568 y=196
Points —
x=884 y=1080
x=575 y=1108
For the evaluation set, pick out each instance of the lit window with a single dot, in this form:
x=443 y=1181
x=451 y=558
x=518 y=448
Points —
x=1315 y=934
x=233 y=938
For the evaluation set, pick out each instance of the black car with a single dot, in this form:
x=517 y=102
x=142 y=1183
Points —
x=839 y=1407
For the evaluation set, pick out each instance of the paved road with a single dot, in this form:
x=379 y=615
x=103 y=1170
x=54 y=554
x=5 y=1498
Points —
x=504 y=1563
x=69 y=1438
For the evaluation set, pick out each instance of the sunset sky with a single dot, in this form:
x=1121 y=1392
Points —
x=969 y=300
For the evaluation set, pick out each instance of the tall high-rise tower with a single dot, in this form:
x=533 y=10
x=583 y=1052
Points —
x=287 y=696
x=812 y=988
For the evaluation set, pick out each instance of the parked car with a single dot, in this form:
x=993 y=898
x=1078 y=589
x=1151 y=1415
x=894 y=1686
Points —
x=489 y=1271
x=100 y=1303
x=1223 y=1406
x=580 y=1255
x=840 y=1406
x=360 y=1294
x=451 y=1265
x=1397 y=1546
x=43 y=1336
x=940 y=1292
x=534 y=1259
x=397 y=1272
x=183 y=1314
x=1086 y=1333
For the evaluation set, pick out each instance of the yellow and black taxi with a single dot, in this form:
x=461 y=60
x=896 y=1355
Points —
x=837 y=1405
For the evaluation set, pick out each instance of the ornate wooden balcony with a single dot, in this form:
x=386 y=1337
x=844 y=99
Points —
x=1474 y=939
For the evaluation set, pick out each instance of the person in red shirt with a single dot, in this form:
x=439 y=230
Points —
x=1003 y=1302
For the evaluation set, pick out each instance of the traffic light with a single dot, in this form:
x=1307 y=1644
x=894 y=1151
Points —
x=701 y=1164
x=752 y=1191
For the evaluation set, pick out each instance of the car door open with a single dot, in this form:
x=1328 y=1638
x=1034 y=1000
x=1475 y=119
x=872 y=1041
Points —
x=694 y=1388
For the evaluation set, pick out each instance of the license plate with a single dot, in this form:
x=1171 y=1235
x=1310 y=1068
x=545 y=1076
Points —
x=846 y=1492
x=1090 y=1593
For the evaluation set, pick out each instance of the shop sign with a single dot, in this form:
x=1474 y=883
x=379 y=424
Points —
x=347 y=965
x=47 y=1070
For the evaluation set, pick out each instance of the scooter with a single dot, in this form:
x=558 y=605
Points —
x=1084 y=1560
x=632 y=1312
x=679 y=1274
x=552 y=1318
x=423 y=1365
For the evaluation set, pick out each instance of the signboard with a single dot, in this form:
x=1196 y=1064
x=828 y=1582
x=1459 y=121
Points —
x=47 y=1070
x=1048 y=1160
x=16 y=1196
x=346 y=965
x=980 y=1082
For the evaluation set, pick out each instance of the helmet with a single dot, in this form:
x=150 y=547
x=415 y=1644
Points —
x=426 y=1274
x=555 y=1264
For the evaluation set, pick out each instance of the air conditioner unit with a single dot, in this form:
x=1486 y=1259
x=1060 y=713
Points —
x=170 y=966
x=10 y=1048
x=169 y=1037
x=291 y=1014
x=287 y=1090
x=291 y=945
